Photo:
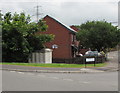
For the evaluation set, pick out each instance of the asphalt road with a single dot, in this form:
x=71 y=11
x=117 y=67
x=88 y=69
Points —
x=24 y=81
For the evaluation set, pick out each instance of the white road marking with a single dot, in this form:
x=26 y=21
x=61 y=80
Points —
x=68 y=79
x=21 y=73
x=12 y=71
x=54 y=77
x=86 y=82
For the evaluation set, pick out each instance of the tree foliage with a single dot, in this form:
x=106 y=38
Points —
x=98 y=35
x=19 y=37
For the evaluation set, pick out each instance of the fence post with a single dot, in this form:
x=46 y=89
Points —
x=96 y=58
x=84 y=61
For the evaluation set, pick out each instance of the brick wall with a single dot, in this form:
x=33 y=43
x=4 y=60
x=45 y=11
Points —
x=62 y=39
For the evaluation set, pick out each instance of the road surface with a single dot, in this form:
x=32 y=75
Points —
x=26 y=81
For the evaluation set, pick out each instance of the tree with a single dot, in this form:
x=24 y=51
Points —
x=19 y=37
x=98 y=35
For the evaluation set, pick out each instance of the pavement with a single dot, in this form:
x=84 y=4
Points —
x=112 y=65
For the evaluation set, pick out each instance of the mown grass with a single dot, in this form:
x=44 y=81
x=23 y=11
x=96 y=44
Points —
x=56 y=65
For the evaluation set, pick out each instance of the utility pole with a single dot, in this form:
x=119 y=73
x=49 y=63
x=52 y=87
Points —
x=37 y=13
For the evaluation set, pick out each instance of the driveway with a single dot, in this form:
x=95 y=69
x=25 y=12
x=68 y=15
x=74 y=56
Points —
x=112 y=59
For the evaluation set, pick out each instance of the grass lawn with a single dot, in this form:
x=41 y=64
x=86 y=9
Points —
x=55 y=65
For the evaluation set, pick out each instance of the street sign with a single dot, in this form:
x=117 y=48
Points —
x=90 y=59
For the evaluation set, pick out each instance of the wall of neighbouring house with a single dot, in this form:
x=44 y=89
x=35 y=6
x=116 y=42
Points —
x=62 y=39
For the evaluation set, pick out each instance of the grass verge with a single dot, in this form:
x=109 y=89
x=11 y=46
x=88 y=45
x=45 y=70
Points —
x=56 y=65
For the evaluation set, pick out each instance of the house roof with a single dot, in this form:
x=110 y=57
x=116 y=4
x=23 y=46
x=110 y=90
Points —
x=70 y=29
x=74 y=27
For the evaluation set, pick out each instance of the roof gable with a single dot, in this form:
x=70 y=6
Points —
x=67 y=27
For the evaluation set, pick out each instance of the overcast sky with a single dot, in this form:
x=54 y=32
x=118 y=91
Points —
x=69 y=12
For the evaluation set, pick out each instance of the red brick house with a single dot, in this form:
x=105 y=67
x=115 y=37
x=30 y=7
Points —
x=81 y=50
x=74 y=27
x=65 y=44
